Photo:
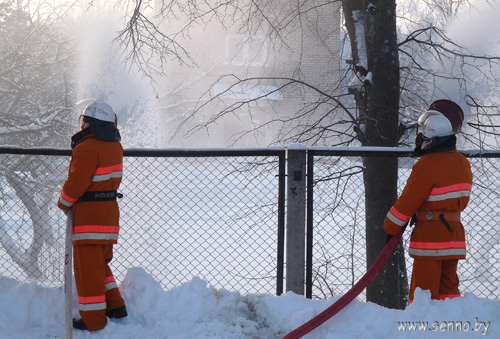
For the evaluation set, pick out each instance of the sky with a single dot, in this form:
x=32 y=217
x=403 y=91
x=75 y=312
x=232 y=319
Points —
x=197 y=310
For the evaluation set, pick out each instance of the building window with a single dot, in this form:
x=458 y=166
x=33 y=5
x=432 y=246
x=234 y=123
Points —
x=247 y=92
x=244 y=51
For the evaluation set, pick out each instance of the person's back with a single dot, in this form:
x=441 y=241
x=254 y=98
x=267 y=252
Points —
x=101 y=165
x=94 y=177
x=437 y=190
x=446 y=181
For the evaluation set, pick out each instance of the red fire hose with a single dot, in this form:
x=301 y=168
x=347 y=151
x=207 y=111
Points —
x=372 y=272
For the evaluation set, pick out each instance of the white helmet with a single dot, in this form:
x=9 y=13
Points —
x=98 y=110
x=435 y=124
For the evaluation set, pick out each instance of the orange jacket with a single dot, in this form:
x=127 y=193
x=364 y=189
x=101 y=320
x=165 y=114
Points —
x=95 y=165
x=439 y=182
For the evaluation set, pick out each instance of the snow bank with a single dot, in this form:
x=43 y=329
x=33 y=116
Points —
x=197 y=310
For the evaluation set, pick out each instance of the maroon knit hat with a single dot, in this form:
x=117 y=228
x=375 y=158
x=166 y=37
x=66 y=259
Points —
x=450 y=110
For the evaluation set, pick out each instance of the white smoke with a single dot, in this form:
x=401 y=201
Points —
x=475 y=30
x=103 y=74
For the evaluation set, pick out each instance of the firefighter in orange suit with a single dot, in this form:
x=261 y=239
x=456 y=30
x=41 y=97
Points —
x=437 y=190
x=90 y=193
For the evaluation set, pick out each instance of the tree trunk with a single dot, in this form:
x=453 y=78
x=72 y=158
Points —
x=390 y=288
x=42 y=231
x=378 y=107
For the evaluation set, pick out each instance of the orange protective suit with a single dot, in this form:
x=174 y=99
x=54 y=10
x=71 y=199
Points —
x=96 y=166
x=439 y=185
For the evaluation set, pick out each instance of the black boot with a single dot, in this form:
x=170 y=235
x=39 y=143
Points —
x=79 y=324
x=120 y=312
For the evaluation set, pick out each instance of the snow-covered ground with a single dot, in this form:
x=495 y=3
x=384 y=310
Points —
x=198 y=310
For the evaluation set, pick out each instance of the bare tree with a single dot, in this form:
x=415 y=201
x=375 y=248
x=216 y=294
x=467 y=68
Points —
x=35 y=96
x=421 y=43
x=394 y=71
x=35 y=80
x=374 y=42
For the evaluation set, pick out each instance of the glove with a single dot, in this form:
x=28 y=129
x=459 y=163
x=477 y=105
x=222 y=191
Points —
x=388 y=237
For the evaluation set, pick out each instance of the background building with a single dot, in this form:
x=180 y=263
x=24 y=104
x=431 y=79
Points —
x=241 y=86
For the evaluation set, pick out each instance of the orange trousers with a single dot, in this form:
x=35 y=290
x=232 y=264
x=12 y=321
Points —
x=438 y=276
x=97 y=290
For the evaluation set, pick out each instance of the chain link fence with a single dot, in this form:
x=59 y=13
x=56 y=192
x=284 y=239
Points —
x=183 y=214
x=219 y=215
x=339 y=257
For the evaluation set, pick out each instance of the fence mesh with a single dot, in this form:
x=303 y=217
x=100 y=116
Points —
x=181 y=217
x=216 y=217
x=339 y=217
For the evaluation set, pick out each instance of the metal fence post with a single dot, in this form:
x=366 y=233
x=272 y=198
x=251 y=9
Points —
x=309 y=223
x=281 y=223
x=295 y=221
